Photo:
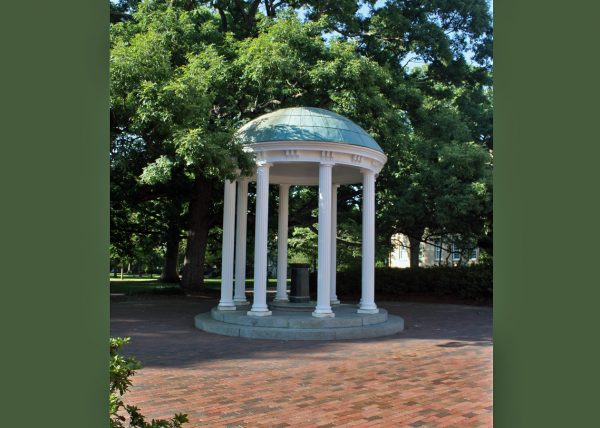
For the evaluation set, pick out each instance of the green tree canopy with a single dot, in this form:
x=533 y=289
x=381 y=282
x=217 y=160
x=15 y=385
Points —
x=186 y=74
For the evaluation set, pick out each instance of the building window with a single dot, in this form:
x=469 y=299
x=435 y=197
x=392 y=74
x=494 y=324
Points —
x=474 y=254
x=438 y=250
x=455 y=252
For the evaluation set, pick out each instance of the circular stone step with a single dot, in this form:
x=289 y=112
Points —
x=293 y=306
x=345 y=316
x=286 y=325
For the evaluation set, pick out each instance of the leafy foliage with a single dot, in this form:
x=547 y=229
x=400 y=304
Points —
x=186 y=74
x=122 y=368
x=470 y=283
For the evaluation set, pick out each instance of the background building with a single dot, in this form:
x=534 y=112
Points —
x=437 y=252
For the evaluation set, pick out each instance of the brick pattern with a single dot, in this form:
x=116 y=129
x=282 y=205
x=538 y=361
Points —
x=437 y=373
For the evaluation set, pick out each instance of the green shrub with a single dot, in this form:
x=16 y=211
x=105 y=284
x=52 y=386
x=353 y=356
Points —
x=472 y=283
x=121 y=370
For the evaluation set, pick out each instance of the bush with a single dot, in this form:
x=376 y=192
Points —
x=473 y=283
x=121 y=370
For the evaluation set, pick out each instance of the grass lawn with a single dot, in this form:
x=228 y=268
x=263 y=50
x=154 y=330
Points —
x=133 y=285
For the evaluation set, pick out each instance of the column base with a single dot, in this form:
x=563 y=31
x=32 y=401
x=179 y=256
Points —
x=253 y=313
x=277 y=299
x=367 y=311
x=323 y=314
x=335 y=302
x=240 y=302
x=226 y=307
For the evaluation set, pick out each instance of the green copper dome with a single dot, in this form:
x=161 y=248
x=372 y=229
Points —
x=305 y=124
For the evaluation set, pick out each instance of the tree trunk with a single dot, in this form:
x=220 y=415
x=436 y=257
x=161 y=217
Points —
x=122 y=269
x=198 y=223
x=415 y=248
x=169 y=273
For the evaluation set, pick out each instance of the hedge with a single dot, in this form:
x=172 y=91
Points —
x=472 y=283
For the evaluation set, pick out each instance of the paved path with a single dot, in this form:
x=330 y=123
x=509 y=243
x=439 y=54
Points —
x=437 y=373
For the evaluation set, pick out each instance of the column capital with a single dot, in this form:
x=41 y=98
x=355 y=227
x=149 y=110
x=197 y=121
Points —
x=263 y=164
x=326 y=163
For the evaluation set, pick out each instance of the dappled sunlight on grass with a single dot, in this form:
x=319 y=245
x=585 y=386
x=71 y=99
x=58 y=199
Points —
x=133 y=285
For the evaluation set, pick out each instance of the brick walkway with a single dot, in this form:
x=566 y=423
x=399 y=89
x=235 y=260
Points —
x=437 y=373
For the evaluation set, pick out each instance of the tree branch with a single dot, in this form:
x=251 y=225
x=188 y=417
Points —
x=223 y=20
x=253 y=8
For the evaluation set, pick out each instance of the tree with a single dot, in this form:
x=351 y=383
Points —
x=446 y=104
x=440 y=183
x=138 y=215
x=184 y=77
x=169 y=93
x=121 y=10
x=180 y=92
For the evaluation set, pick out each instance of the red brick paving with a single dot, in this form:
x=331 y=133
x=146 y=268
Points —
x=437 y=373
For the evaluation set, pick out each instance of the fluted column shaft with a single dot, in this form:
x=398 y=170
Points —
x=367 y=303
x=240 y=242
x=332 y=291
x=259 y=306
x=282 y=243
x=226 y=302
x=323 y=308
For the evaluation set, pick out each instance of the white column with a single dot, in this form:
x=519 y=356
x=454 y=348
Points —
x=332 y=292
x=240 y=242
x=323 y=308
x=367 y=302
x=282 y=244
x=259 y=306
x=226 y=302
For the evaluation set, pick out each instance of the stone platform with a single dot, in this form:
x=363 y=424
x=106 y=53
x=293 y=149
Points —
x=299 y=325
x=292 y=306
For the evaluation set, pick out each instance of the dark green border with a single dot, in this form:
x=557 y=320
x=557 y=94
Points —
x=54 y=180
x=546 y=284
x=54 y=204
